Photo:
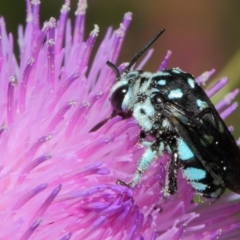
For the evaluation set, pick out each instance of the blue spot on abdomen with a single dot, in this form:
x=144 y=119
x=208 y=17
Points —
x=184 y=151
x=198 y=186
x=194 y=174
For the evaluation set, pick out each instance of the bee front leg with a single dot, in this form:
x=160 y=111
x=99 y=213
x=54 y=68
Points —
x=145 y=161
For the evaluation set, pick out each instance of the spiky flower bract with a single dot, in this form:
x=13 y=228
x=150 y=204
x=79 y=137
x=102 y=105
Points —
x=58 y=178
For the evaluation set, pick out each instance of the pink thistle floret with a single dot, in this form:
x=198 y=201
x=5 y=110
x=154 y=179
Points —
x=57 y=177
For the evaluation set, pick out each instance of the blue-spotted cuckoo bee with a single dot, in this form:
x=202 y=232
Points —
x=171 y=107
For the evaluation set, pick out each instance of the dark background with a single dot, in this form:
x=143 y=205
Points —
x=201 y=34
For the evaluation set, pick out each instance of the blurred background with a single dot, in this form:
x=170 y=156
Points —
x=201 y=34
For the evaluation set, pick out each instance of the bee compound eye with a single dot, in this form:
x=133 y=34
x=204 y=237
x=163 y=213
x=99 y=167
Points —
x=117 y=98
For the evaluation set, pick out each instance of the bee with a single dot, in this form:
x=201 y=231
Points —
x=172 y=108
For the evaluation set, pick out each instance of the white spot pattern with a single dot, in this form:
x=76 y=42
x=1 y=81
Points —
x=162 y=82
x=174 y=70
x=201 y=104
x=176 y=93
x=142 y=112
x=191 y=82
x=163 y=74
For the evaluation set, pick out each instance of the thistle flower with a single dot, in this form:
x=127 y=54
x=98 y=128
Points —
x=58 y=179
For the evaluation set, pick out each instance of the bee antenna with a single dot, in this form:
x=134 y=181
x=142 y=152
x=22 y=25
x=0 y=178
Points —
x=114 y=68
x=143 y=50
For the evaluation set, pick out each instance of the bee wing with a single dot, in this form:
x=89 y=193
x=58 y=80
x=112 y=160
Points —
x=211 y=142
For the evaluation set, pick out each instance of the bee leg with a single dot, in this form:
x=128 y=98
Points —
x=142 y=135
x=171 y=177
x=147 y=158
x=142 y=140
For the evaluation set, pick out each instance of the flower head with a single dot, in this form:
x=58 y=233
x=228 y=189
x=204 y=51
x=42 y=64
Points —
x=58 y=178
